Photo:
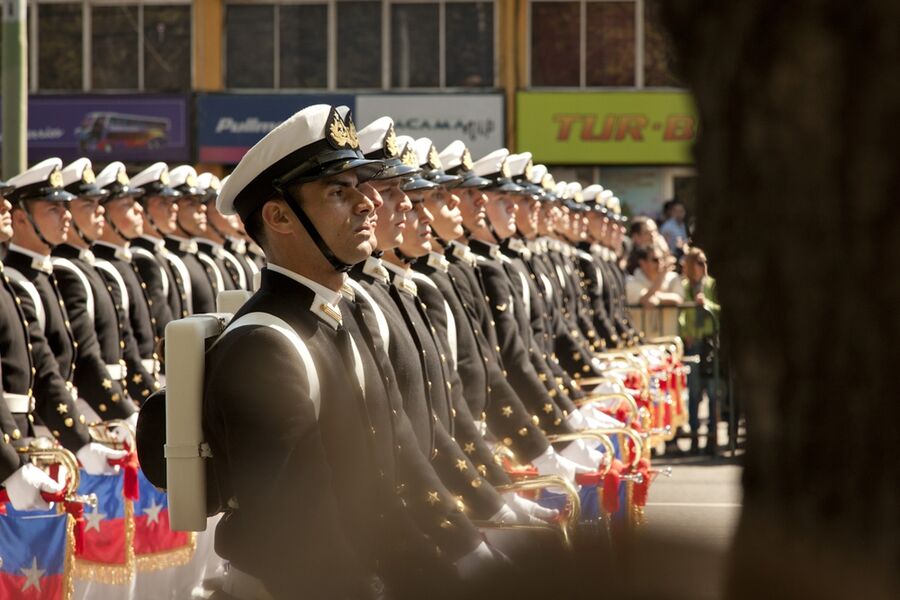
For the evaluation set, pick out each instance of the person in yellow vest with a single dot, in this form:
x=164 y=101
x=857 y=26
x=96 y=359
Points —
x=698 y=331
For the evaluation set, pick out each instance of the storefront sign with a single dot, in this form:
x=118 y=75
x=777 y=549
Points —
x=104 y=128
x=607 y=127
x=476 y=119
x=229 y=124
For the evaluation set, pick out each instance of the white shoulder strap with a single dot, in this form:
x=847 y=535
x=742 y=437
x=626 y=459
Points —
x=24 y=284
x=138 y=251
x=117 y=277
x=451 y=321
x=268 y=320
x=384 y=331
x=65 y=263
x=179 y=266
x=219 y=282
x=242 y=277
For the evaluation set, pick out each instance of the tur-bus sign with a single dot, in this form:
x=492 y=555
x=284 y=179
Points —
x=607 y=127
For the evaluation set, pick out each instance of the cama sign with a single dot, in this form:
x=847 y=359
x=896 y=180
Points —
x=476 y=119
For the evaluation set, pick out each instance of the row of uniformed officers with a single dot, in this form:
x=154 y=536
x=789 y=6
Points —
x=413 y=310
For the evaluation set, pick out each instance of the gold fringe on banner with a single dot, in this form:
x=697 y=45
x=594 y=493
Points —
x=112 y=574
x=69 y=568
x=176 y=557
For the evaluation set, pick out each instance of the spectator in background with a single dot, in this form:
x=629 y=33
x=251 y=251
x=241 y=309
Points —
x=698 y=333
x=674 y=230
x=653 y=282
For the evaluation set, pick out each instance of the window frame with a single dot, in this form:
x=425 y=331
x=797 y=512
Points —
x=386 y=74
x=639 y=40
x=87 y=45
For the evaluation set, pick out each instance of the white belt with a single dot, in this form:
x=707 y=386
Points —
x=243 y=586
x=151 y=365
x=117 y=372
x=19 y=403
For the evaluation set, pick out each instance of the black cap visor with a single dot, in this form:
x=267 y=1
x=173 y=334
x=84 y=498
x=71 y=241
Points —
x=47 y=193
x=471 y=180
x=441 y=178
x=417 y=184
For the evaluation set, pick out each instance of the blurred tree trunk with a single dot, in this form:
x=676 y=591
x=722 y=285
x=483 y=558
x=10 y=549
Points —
x=799 y=210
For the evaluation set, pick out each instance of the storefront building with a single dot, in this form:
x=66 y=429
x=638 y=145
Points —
x=586 y=85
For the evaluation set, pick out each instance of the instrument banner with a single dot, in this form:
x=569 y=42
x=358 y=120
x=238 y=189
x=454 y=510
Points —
x=156 y=546
x=108 y=555
x=37 y=552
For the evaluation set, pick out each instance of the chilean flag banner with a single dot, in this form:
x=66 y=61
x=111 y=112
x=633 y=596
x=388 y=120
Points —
x=156 y=546
x=108 y=554
x=37 y=553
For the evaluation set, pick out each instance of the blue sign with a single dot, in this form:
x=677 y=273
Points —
x=228 y=124
x=134 y=127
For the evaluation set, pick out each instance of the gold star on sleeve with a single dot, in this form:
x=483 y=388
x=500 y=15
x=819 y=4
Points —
x=461 y=465
x=61 y=408
x=469 y=448
x=107 y=384
x=138 y=378
x=433 y=498
x=507 y=411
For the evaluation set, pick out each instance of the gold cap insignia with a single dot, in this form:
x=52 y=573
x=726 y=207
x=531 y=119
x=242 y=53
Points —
x=87 y=176
x=122 y=177
x=504 y=168
x=190 y=180
x=409 y=156
x=55 y=178
x=434 y=161
x=164 y=177
x=339 y=133
x=390 y=143
x=547 y=182
x=466 y=160
x=529 y=170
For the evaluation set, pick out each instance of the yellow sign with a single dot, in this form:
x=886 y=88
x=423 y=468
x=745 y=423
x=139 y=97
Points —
x=607 y=127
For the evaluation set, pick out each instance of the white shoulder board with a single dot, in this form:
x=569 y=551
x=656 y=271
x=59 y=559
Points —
x=273 y=322
x=120 y=283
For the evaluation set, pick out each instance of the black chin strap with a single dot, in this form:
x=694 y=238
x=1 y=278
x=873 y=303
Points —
x=408 y=260
x=34 y=225
x=118 y=231
x=336 y=263
x=377 y=253
x=81 y=234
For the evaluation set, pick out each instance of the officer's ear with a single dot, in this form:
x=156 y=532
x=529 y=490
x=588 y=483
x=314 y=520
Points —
x=277 y=217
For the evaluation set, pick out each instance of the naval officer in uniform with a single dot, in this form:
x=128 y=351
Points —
x=332 y=483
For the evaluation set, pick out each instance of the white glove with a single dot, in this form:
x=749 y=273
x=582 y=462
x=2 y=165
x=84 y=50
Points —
x=476 y=563
x=552 y=463
x=597 y=419
x=95 y=458
x=25 y=485
x=581 y=453
x=532 y=512
x=132 y=420
x=505 y=516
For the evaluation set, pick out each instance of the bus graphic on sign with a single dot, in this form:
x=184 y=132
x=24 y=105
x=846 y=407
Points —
x=106 y=132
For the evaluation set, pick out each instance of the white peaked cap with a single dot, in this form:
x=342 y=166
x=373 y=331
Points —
x=302 y=129
x=538 y=173
x=561 y=190
x=590 y=192
x=37 y=173
x=491 y=163
x=451 y=156
x=74 y=171
x=371 y=137
x=155 y=172
x=518 y=162
x=183 y=175
x=208 y=181
x=423 y=147
x=111 y=174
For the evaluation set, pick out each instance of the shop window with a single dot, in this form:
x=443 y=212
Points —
x=359 y=44
x=610 y=44
x=167 y=47
x=659 y=56
x=114 y=47
x=250 y=45
x=555 y=43
x=469 y=45
x=59 y=29
x=415 y=53
x=303 y=41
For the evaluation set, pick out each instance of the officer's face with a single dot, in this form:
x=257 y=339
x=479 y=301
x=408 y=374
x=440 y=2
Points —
x=377 y=201
x=343 y=215
x=446 y=217
x=526 y=215
x=191 y=215
x=88 y=216
x=164 y=212
x=417 y=238
x=472 y=208
x=52 y=219
x=501 y=212
x=220 y=221
x=391 y=220
x=127 y=215
x=595 y=225
x=6 y=227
